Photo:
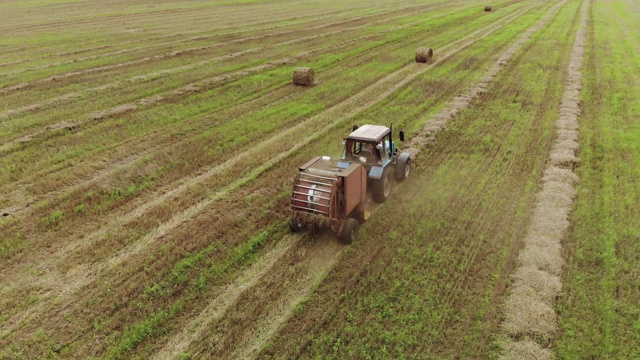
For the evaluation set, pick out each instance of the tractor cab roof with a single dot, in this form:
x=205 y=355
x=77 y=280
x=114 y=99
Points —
x=369 y=133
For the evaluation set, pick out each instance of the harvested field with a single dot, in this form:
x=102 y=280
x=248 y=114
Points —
x=149 y=148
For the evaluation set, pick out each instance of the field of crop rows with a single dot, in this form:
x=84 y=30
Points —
x=148 y=149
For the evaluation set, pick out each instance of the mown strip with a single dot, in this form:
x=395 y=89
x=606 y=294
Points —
x=598 y=309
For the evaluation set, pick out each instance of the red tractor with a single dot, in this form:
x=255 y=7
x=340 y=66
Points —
x=333 y=193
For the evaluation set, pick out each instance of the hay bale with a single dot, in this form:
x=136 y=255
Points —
x=487 y=8
x=546 y=286
x=303 y=76
x=424 y=55
x=527 y=316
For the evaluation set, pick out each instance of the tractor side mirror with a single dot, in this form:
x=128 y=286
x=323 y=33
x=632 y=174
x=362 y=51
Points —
x=355 y=127
x=401 y=134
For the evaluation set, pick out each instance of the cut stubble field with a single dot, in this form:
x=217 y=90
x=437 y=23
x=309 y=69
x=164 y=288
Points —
x=148 y=154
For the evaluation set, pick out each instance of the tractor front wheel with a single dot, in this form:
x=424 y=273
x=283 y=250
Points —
x=403 y=166
x=382 y=187
x=350 y=231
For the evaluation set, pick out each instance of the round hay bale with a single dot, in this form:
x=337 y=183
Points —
x=303 y=76
x=424 y=55
x=487 y=8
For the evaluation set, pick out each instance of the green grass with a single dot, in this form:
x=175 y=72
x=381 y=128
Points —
x=601 y=292
x=205 y=273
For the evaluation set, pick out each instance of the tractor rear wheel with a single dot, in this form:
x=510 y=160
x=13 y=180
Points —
x=382 y=187
x=350 y=231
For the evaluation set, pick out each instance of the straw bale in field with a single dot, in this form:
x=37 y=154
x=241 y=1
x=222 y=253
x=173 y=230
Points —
x=565 y=134
x=546 y=286
x=549 y=229
x=566 y=176
x=544 y=257
x=424 y=55
x=526 y=350
x=487 y=8
x=303 y=76
x=565 y=158
x=526 y=315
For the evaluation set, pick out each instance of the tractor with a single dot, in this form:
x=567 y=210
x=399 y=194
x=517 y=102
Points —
x=334 y=193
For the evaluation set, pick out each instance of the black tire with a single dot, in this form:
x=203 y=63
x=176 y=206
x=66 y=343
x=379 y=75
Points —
x=403 y=166
x=294 y=226
x=382 y=187
x=350 y=231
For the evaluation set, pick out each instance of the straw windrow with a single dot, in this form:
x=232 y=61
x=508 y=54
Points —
x=530 y=321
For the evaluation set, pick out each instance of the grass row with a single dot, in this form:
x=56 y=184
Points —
x=598 y=309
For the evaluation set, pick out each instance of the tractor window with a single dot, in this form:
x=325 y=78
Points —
x=352 y=148
x=357 y=149
x=385 y=149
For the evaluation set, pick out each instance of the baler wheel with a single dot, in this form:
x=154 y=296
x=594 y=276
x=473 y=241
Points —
x=350 y=231
x=294 y=226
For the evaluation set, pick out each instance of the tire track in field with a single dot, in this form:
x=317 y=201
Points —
x=311 y=263
x=83 y=275
x=529 y=310
x=165 y=55
x=629 y=29
x=309 y=272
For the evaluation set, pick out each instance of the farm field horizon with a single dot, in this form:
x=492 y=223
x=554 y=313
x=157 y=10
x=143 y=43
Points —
x=148 y=151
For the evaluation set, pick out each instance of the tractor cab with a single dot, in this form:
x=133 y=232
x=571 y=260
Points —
x=370 y=145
